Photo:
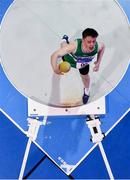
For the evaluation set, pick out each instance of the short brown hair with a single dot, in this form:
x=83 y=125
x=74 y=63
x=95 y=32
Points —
x=89 y=32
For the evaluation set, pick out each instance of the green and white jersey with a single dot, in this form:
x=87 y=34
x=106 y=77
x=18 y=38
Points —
x=79 y=59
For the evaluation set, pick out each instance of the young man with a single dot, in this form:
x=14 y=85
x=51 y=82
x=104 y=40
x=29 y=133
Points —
x=80 y=53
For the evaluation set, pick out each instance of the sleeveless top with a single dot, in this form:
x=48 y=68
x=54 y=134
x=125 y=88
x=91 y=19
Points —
x=79 y=59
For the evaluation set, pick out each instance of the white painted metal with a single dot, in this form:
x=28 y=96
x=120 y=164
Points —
x=96 y=107
x=32 y=133
x=25 y=159
x=95 y=125
x=106 y=161
x=96 y=137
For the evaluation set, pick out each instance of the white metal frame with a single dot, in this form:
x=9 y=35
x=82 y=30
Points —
x=97 y=136
x=34 y=125
x=96 y=107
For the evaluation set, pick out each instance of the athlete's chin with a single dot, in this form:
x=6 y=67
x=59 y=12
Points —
x=91 y=48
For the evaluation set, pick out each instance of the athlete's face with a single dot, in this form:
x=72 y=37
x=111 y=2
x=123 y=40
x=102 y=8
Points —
x=89 y=42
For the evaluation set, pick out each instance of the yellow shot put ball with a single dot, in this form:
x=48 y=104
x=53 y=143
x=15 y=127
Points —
x=64 y=67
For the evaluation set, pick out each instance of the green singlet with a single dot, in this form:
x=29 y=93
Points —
x=80 y=56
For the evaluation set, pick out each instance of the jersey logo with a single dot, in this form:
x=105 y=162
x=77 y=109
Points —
x=84 y=59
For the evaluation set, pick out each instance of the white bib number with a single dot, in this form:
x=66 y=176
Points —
x=80 y=65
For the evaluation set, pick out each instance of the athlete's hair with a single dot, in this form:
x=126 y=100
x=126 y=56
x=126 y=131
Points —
x=89 y=32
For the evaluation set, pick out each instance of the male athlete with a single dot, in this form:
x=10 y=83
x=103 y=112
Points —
x=80 y=53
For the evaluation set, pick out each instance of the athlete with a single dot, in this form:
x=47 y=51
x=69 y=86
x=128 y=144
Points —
x=80 y=53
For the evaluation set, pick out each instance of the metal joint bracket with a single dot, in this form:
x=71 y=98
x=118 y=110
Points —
x=34 y=126
x=94 y=123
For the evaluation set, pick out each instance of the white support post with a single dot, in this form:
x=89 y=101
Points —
x=106 y=161
x=32 y=132
x=97 y=136
x=25 y=159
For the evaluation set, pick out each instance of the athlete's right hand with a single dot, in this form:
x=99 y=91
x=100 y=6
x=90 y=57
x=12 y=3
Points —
x=57 y=70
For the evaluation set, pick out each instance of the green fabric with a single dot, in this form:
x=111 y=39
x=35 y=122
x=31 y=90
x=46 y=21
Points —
x=70 y=60
x=70 y=57
x=82 y=54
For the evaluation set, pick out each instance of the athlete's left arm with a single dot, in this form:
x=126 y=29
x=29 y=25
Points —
x=99 y=56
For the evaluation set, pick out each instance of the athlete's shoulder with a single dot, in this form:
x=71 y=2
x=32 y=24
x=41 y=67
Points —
x=101 y=45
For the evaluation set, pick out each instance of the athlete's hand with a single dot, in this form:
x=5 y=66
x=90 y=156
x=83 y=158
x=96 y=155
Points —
x=96 y=67
x=57 y=70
